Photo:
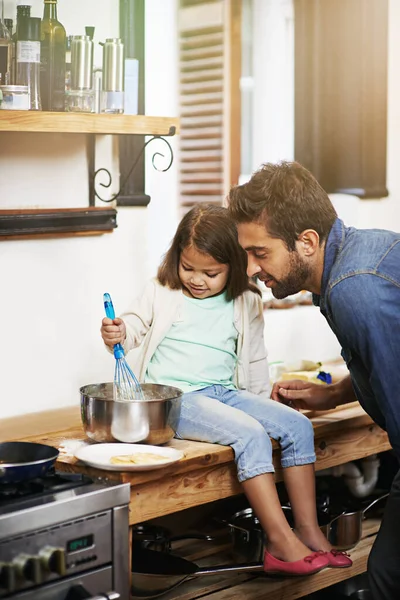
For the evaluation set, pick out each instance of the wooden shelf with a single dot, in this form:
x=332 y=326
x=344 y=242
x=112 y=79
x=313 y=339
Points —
x=51 y=122
x=28 y=223
x=253 y=587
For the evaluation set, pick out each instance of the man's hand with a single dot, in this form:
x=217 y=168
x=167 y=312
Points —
x=304 y=394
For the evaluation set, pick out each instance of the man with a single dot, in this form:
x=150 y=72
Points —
x=294 y=241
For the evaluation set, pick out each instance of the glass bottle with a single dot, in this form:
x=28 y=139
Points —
x=9 y=23
x=28 y=59
x=5 y=50
x=68 y=63
x=23 y=12
x=53 y=47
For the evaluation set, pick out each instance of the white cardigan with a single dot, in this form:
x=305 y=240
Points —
x=152 y=314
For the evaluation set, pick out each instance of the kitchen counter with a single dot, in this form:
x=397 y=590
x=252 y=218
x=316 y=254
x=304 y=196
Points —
x=207 y=472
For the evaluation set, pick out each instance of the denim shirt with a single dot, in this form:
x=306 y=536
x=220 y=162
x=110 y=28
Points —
x=360 y=299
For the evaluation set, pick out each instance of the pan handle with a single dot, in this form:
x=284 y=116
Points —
x=335 y=519
x=246 y=532
x=240 y=568
x=192 y=536
x=371 y=504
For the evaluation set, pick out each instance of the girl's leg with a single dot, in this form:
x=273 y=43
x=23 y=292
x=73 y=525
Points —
x=263 y=497
x=303 y=505
x=295 y=435
x=207 y=419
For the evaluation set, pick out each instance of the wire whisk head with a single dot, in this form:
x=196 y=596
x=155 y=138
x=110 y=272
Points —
x=126 y=386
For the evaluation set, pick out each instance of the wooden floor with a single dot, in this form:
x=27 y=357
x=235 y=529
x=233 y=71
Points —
x=258 y=587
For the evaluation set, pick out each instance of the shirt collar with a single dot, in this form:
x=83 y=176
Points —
x=333 y=246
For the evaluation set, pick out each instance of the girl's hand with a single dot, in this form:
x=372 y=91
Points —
x=113 y=332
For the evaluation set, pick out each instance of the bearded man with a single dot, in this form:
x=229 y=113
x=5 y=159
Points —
x=294 y=241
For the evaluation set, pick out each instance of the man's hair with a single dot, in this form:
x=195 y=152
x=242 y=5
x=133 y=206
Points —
x=210 y=230
x=285 y=198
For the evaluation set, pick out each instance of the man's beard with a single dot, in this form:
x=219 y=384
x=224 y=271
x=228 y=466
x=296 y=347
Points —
x=299 y=273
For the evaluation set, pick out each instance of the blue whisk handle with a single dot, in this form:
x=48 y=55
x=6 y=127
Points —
x=108 y=305
x=110 y=312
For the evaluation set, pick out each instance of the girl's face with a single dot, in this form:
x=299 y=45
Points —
x=200 y=274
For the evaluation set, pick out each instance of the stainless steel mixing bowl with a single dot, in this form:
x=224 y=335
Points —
x=152 y=421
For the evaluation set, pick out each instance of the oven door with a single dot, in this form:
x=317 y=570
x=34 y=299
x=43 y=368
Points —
x=96 y=585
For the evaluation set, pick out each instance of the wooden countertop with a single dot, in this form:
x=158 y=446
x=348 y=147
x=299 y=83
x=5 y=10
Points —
x=207 y=472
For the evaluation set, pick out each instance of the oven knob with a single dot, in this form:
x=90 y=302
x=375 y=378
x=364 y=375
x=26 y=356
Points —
x=53 y=560
x=28 y=568
x=7 y=577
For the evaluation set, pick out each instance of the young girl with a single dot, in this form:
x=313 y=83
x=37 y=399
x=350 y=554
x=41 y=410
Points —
x=199 y=327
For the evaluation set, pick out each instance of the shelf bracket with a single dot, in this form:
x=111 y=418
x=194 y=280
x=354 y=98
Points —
x=93 y=173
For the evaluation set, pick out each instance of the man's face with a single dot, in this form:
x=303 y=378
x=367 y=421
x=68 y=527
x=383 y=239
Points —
x=284 y=272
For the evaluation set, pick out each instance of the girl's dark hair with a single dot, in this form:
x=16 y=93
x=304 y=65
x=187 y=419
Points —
x=285 y=198
x=212 y=231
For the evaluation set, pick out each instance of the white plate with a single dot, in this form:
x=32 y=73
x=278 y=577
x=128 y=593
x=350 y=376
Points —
x=99 y=455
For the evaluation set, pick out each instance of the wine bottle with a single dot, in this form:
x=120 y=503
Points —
x=52 y=72
x=5 y=50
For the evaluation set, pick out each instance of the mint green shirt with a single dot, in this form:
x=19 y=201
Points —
x=199 y=350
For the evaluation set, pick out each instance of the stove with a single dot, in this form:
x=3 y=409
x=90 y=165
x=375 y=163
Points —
x=64 y=537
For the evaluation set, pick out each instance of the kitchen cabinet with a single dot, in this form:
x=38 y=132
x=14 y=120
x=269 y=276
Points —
x=93 y=220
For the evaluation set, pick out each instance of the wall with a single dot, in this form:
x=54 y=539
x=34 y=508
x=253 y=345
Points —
x=302 y=332
x=51 y=291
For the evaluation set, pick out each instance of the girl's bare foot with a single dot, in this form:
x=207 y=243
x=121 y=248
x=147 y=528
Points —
x=313 y=537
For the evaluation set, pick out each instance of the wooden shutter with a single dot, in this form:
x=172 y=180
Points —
x=209 y=75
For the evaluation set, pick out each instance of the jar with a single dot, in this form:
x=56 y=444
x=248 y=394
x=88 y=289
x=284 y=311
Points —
x=80 y=101
x=15 y=97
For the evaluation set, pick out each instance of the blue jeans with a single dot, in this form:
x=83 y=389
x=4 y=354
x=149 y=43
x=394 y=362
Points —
x=246 y=422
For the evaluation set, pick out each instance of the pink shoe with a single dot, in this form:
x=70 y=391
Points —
x=306 y=566
x=338 y=559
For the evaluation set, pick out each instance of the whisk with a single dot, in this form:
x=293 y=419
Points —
x=126 y=386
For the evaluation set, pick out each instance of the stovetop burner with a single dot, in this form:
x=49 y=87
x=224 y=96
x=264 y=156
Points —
x=51 y=483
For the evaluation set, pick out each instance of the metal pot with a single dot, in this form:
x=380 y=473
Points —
x=153 y=420
x=345 y=530
x=154 y=537
x=248 y=538
x=21 y=461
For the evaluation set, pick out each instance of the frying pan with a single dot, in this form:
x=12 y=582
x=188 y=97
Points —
x=21 y=461
x=155 y=573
